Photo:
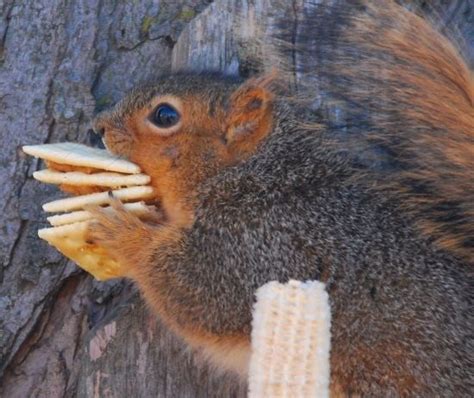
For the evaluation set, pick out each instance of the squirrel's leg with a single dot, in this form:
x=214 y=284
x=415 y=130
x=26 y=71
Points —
x=150 y=254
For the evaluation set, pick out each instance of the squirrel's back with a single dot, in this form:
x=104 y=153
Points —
x=408 y=108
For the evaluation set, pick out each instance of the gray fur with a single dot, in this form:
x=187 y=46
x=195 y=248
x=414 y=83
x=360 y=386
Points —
x=294 y=212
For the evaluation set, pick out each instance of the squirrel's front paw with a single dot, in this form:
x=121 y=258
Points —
x=121 y=234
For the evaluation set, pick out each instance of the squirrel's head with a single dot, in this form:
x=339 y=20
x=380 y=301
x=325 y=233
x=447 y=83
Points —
x=182 y=129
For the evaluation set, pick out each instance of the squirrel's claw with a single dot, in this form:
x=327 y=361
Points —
x=115 y=229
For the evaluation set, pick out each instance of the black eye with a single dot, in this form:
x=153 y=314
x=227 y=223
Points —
x=165 y=116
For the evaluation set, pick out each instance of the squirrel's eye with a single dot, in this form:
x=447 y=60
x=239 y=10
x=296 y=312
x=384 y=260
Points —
x=165 y=116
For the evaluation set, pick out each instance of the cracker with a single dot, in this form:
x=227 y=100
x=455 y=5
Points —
x=98 y=179
x=81 y=155
x=100 y=198
x=137 y=208
x=70 y=240
x=95 y=168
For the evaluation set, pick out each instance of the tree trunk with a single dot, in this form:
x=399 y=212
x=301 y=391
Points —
x=62 y=333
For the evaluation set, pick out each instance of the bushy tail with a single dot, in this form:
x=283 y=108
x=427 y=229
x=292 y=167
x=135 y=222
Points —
x=408 y=99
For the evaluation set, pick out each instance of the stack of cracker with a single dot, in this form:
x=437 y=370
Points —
x=100 y=171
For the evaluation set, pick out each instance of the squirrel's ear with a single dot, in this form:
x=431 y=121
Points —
x=250 y=114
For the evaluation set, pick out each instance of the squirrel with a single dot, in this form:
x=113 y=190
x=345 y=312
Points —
x=251 y=191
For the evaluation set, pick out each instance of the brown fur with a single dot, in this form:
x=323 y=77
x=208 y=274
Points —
x=440 y=100
x=251 y=116
x=420 y=95
x=198 y=149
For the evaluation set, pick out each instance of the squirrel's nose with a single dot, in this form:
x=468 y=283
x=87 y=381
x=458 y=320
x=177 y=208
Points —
x=98 y=125
x=99 y=131
x=95 y=137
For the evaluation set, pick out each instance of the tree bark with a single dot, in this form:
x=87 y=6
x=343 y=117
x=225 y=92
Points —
x=62 y=333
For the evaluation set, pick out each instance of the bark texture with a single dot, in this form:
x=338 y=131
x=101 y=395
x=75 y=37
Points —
x=61 y=333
